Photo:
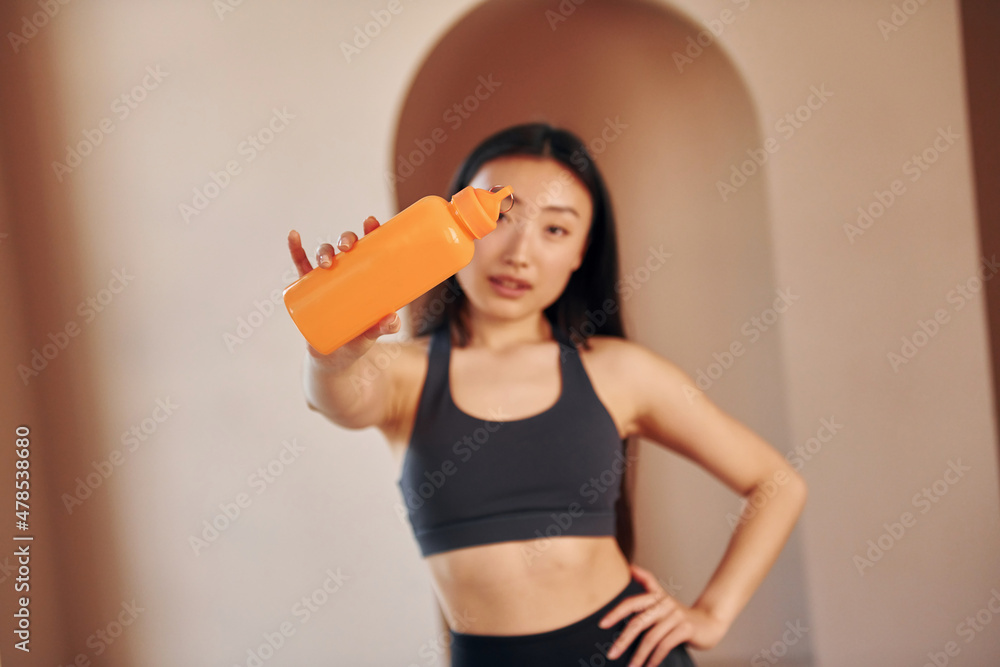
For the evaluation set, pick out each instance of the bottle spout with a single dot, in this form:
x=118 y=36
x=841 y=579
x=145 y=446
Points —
x=480 y=209
x=492 y=199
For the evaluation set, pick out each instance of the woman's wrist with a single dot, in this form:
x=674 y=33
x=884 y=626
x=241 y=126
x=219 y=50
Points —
x=325 y=362
x=725 y=620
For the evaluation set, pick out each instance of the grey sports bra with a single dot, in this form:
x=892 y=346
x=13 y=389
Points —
x=468 y=481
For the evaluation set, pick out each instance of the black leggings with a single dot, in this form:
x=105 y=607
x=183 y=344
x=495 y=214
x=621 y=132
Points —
x=579 y=644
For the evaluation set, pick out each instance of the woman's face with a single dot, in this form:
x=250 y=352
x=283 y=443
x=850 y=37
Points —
x=539 y=242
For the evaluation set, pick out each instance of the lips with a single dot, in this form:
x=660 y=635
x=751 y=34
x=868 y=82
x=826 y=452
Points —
x=510 y=282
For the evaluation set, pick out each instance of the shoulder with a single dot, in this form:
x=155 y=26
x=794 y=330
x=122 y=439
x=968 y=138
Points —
x=637 y=371
x=630 y=377
x=631 y=359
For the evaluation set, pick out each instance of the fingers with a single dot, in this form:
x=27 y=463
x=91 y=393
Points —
x=324 y=256
x=661 y=639
x=299 y=258
x=346 y=241
x=652 y=606
x=325 y=251
x=349 y=238
x=370 y=224
x=630 y=605
x=645 y=577
x=664 y=642
x=389 y=324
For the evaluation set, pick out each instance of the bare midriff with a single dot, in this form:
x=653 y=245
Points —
x=527 y=586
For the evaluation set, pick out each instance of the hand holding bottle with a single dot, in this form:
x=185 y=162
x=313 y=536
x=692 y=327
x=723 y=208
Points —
x=354 y=349
x=418 y=248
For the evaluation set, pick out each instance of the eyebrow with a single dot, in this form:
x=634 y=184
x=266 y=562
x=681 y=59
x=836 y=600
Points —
x=560 y=209
x=567 y=209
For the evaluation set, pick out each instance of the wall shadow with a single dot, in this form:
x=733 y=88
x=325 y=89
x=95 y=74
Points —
x=75 y=564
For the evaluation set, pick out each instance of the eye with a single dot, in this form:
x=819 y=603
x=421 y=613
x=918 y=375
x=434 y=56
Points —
x=562 y=229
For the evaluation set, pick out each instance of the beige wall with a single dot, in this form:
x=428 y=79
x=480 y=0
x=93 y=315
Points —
x=166 y=337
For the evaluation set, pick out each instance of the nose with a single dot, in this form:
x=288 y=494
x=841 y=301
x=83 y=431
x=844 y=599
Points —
x=518 y=243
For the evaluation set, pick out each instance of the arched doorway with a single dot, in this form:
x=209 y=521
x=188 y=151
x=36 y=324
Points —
x=675 y=131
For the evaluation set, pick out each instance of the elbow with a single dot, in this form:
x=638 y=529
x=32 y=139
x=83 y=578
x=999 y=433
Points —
x=799 y=488
x=321 y=410
x=786 y=482
x=349 y=422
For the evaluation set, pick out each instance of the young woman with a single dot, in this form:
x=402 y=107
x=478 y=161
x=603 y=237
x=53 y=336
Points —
x=513 y=405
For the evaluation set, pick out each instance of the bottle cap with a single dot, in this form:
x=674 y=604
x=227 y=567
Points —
x=480 y=209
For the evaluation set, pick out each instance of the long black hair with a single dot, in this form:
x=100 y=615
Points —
x=582 y=310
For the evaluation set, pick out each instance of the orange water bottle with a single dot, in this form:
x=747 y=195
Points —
x=418 y=248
